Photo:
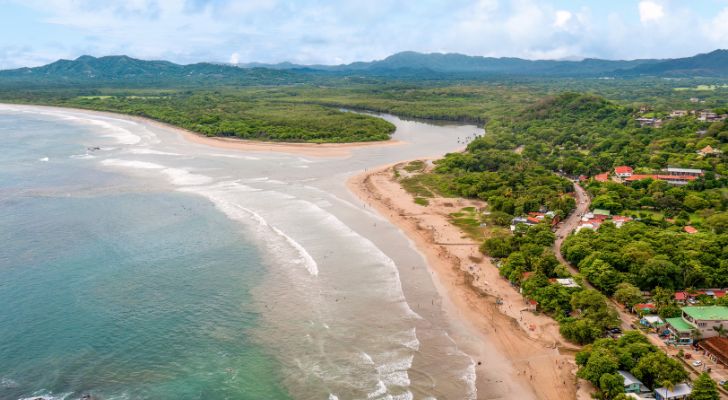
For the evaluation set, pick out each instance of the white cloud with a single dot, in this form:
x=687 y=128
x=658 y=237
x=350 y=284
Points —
x=651 y=11
x=562 y=18
x=331 y=31
x=717 y=29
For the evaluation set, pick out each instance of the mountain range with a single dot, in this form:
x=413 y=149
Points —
x=124 y=70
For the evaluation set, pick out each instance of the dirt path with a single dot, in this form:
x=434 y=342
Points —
x=583 y=202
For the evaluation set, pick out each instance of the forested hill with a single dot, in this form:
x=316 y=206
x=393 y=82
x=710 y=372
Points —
x=127 y=71
x=711 y=64
x=586 y=134
x=118 y=71
x=453 y=65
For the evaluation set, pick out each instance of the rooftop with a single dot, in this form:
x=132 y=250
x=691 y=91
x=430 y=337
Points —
x=680 y=390
x=679 y=324
x=684 y=170
x=629 y=379
x=716 y=345
x=707 y=313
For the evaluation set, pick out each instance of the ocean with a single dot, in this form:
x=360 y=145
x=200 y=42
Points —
x=137 y=265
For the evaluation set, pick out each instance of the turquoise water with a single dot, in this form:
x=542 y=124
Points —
x=116 y=289
x=137 y=265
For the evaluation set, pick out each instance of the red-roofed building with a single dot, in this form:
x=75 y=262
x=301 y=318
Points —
x=672 y=179
x=644 y=308
x=623 y=171
x=681 y=297
x=689 y=229
x=717 y=348
x=602 y=177
x=620 y=220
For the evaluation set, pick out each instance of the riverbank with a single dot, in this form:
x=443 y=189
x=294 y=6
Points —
x=540 y=365
x=321 y=150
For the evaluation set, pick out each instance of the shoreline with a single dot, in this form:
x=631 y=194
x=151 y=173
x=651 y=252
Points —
x=529 y=360
x=321 y=150
x=541 y=365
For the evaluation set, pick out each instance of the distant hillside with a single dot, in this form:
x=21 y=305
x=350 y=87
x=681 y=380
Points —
x=710 y=64
x=130 y=72
x=124 y=70
x=440 y=66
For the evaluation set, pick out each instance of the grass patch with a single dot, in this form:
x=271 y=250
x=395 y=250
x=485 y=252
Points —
x=415 y=166
x=422 y=201
x=468 y=219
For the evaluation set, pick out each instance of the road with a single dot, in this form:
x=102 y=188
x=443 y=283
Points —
x=583 y=202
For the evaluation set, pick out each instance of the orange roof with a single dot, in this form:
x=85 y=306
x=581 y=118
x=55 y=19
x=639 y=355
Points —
x=661 y=177
x=623 y=169
x=602 y=177
x=689 y=229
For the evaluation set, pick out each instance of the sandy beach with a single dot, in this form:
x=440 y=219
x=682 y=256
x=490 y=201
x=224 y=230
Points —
x=323 y=150
x=540 y=360
x=519 y=355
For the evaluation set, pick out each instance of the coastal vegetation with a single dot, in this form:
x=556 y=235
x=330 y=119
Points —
x=600 y=362
x=520 y=167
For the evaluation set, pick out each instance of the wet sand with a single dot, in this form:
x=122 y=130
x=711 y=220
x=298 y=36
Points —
x=541 y=363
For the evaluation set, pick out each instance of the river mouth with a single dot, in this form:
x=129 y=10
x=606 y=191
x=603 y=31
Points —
x=333 y=301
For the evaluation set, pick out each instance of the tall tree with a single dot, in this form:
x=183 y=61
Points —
x=704 y=388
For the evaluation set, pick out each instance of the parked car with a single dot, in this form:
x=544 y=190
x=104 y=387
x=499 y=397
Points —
x=697 y=363
x=722 y=383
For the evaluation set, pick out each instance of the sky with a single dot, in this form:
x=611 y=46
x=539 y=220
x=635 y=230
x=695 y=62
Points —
x=36 y=32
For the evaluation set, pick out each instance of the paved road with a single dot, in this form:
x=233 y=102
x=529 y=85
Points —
x=570 y=223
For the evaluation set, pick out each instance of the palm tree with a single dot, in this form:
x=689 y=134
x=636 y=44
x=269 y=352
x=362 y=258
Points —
x=722 y=332
x=696 y=334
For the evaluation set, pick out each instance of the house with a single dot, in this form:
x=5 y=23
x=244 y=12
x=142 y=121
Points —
x=694 y=99
x=528 y=221
x=706 y=318
x=671 y=179
x=540 y=216
x=708 y=151
x=604 y=177
x=681 y=331
x=676 y=171
x=651 y=122
x=631 y=384
x=689 y=229
x=623 y=171
x=681 y=297
x=707 y=116
x=716 y=348
x=681 y=391
x=531 y=305
x=678 y=113
x=644 y=308
x=652 y=321
x=567 y=282
x=620 y=220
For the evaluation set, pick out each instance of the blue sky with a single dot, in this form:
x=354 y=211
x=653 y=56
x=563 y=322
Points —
x=35 y=32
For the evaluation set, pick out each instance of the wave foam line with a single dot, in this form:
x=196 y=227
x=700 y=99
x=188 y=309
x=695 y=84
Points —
x=228 y=208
